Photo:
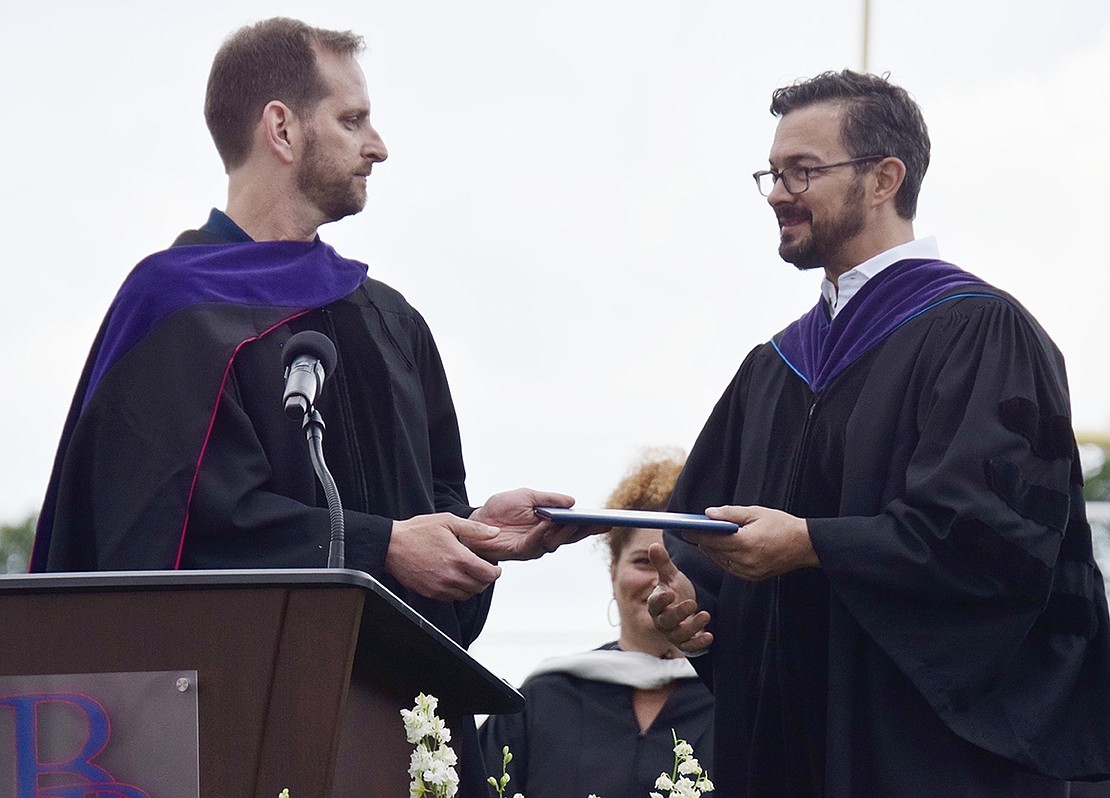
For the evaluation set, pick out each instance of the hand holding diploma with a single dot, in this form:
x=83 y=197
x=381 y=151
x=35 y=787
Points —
x=522 y=535
x=769 y=542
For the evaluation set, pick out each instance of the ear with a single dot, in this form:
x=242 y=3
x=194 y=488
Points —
x=889 y=174
x=279 y=130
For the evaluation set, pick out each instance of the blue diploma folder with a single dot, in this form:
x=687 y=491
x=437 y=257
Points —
x=640 y=519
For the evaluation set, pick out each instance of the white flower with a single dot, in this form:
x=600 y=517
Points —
x=435 y=774
x=439 y=730
x=431 y=766
x=684 y=788
x=427 y=704
x=446 y=755
x=689 y=767
x=679 y=784
x=417 y=725
x=450 y=784
x=419 y=761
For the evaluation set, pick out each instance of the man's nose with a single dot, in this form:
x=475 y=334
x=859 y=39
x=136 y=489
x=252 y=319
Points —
x=778 y=194
x=375 y=149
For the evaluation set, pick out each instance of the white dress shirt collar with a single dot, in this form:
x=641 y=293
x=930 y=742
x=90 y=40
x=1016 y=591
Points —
x=853 y=280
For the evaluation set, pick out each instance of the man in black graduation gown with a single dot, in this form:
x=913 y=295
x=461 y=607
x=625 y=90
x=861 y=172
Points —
x=911 y=607
x=177 y=452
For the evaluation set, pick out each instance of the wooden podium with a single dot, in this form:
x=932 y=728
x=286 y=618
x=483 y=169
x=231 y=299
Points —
x=301 y=674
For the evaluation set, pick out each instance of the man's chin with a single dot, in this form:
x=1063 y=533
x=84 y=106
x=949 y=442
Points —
x=801 y=260
x=342 y=211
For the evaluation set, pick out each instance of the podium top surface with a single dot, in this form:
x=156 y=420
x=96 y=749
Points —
x=139 y=580
x=388 y=624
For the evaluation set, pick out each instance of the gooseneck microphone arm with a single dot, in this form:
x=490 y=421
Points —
x=309 y=358
x=314 y=429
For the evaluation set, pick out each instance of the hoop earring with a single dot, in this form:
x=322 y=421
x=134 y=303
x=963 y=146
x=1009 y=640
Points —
x=609 y=613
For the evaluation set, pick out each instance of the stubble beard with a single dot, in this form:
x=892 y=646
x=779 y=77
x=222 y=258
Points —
x=335 y=191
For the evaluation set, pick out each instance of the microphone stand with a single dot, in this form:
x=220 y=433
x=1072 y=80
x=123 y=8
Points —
x=313 y=426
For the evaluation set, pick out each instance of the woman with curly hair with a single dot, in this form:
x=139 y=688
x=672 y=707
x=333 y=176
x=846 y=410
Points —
x=604 y=721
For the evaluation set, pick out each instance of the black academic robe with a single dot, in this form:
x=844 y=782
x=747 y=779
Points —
x=955 y=636
x=578 y=737
x=178 y=453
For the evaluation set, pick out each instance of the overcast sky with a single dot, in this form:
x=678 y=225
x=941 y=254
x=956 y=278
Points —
x=567 y=200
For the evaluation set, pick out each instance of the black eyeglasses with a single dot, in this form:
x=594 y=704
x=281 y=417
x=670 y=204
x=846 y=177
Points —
x=795 y=179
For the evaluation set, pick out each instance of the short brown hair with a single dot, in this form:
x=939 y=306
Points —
x=879 y=118
x=647 y=486
x=270 y=60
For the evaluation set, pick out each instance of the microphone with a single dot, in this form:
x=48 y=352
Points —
x=309 y=357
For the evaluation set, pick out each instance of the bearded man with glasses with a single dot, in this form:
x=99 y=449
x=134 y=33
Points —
x=911 y=606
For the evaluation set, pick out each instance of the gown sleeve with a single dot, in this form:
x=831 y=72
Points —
x=977 y=577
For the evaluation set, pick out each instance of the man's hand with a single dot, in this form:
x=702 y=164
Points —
x=673 y=605
x=522 y=535
x=769 y=543
x=430 y=554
